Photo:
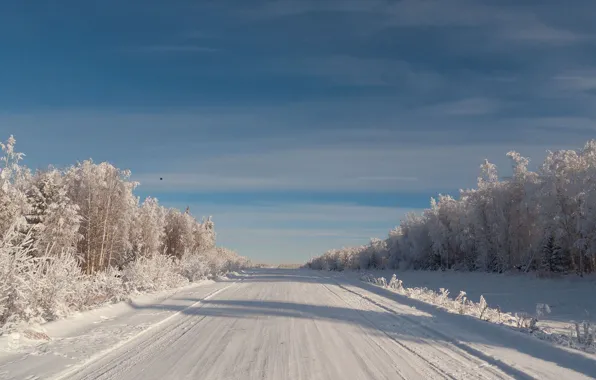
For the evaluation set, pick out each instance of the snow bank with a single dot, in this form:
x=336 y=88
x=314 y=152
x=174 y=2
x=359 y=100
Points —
x=579 y=335
x=35 y=290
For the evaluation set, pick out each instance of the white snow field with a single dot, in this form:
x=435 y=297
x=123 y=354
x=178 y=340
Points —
x=570 y=297
x=287 y=324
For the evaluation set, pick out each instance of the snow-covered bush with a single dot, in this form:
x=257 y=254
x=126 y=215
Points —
x=77 y=238
x=585 y=333
x=581 y=335
x=54 y=288
x=17 y=277
x=151 y=274
x=194 y=267
x=99 y=288
x=482 y=307
x=35 y=288
x=395 y=284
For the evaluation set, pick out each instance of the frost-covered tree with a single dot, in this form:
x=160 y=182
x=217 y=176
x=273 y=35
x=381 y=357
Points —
x=14 y=180
x=148 y=229
x=77 y=238
x=53 y=217
x=178 y=238
x=204 y=235
x=534 y=220
x=107 y=206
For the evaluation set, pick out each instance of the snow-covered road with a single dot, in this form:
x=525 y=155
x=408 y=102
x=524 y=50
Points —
x=299 y=324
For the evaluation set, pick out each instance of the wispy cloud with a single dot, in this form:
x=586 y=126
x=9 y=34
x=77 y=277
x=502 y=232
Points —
x=284 y=8
x=577 y=80
x=466 y=107
x=537 y=32
x=362 y=148
x=568 y=126
x=344 y=170
x=436 y=13
x=509 y=23
x=174 y=49
x=315 y=213
x=332 y=97
x=303 y=233
x=387 y=178
x=360 y=71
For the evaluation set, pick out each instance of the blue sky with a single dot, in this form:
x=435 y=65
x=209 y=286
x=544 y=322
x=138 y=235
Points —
x=299 y=125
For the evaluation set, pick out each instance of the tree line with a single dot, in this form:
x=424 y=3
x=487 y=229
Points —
x=75 y=237
x=543 y=220
x=90 y=209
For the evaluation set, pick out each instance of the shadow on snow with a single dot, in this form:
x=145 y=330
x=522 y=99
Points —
x=387 y=322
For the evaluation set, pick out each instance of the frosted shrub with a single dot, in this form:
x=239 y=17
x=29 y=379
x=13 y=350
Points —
x=482 y=307
x=35 y=289
x=193 y=267
x=443 y=296
x=216 y=265
x=54 y=291
x=100 y=288
x=16 y=281
x=585 y=333
x=151 y=274
x=526 y=321
x=581 y=335
x=461 y=300
x=395 y=283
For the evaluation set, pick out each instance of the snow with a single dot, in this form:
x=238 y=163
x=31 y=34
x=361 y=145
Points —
x=92 y=332
x=570 y=298
x=539 y=221
x=286 y=324
x=72 y=239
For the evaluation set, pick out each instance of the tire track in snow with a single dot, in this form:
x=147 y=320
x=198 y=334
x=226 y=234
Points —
x=436 y=368
x=459 y=348
x=80 y=368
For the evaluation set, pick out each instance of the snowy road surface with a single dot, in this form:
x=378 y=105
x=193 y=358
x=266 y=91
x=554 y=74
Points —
x=296 y=324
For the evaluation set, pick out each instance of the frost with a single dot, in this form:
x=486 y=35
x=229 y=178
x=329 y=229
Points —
x=74 y=239
x=540 y=222
x=580 y=335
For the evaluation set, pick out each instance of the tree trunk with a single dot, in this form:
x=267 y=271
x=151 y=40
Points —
x=89 y=263
x=104 y=233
